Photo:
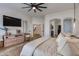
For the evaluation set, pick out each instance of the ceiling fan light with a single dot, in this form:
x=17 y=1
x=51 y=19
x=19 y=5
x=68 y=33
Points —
x=34 y=8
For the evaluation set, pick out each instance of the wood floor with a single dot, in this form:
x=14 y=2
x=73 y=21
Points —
x=12 y=50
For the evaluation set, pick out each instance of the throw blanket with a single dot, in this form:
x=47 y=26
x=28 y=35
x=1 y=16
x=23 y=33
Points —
x=29 y=48
x=48 y=48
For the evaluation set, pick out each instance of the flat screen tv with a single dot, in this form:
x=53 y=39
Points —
x=11 y=21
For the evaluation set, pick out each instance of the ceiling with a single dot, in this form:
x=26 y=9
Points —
x=51 y=8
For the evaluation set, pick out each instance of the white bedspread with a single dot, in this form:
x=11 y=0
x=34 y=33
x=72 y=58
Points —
x=48 y=48
x=30 y=47
x=43 y=47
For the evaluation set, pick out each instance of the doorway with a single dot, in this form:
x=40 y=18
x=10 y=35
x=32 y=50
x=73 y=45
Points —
x=52 y=30
x=59 y=29
x=55 y=27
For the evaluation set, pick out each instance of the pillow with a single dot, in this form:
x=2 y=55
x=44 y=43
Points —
x=60 y=42
x=67 y=34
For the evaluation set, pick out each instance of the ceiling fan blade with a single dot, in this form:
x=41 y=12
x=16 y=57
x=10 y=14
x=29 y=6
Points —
x=27 y=4
x=39 y=4
x=39 y=9
x=35 y=10
x=42 y=7
x=30 y=9
x=25 y=7
x=31 y=3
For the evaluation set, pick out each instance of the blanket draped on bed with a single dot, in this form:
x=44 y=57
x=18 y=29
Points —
x=32 y=48
x=29 y=48
x=48 y=48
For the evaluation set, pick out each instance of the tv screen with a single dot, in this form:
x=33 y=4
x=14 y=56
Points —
x=11 y=21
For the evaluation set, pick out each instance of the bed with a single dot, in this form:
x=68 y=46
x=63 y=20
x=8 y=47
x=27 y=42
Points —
x=74 y=45
x=47 y=47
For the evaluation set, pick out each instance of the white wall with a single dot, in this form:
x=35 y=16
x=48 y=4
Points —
x=38 y=20
x=61 y=15
x=77 y=22
x=16 y=14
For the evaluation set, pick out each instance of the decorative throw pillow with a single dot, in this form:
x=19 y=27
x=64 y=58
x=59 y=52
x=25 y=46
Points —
x=67 y=34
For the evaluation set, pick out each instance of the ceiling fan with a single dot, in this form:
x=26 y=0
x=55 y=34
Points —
x=34 y=6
